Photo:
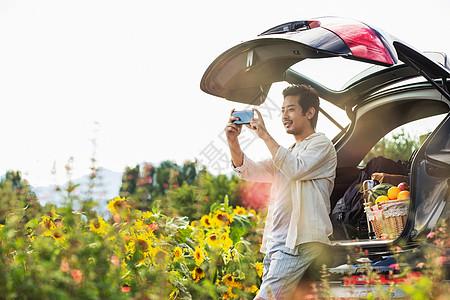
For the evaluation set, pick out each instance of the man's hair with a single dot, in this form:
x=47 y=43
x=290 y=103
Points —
x=308 y=97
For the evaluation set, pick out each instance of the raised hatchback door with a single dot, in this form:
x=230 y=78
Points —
x=245 y=72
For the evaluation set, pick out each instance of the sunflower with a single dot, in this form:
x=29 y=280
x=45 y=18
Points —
x=198 y=274
x=221 y=218
x=230 y=293
x=58 y=235
x=118 y=206
x=206 y=221
x=213 y=239
x=254 y=289
x=259 y=268
x=99 y=225
x=177 y=254
x=239 y=210
x=226 y=241
x=228 y=279
x=199 y=255
x=48 y=225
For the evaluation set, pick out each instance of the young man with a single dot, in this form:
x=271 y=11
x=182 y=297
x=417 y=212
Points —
x=302 y=178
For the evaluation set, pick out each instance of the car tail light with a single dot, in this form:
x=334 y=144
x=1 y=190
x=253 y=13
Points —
x=362 y=40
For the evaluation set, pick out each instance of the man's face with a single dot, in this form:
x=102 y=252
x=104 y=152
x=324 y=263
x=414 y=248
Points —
x=294 y=121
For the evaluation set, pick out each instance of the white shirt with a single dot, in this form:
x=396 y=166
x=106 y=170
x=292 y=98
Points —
x=302 y=182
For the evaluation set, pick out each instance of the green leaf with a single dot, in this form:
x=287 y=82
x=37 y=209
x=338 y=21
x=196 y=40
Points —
x=183 y=234
x=237 y=233
x=240 y=221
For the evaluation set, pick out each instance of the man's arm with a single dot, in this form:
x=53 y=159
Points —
x=244 y=167
x=237 y=156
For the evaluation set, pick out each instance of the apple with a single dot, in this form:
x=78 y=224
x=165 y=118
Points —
x=403 y=186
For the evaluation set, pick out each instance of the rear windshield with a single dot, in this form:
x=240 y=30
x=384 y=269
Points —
x=334 y=72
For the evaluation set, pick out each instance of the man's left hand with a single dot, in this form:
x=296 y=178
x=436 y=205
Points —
x=258 y=126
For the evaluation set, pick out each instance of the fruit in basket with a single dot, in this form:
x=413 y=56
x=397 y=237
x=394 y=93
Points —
x=403 y=195
x=393 y=192
x=379 y=190
x=403 y=186
x=381 y=199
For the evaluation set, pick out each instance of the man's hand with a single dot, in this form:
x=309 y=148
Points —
x=232 y=130
x=258 y=126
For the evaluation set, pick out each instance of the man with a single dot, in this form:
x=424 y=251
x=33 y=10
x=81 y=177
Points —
x=298 y=223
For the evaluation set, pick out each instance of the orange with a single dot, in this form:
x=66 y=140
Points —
x=393 y=192
x=403 y=195
x=381 y=199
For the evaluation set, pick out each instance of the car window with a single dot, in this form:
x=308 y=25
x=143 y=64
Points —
x=327 y=126
x=333 y=72
x=400 y=143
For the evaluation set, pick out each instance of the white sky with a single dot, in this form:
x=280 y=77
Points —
x=134 y=67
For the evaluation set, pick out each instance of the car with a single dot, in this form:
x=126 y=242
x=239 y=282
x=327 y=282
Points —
x=398 y=85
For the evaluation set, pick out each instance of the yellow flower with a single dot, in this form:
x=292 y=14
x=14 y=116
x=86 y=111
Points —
x=177 y=254
x=237 y=284
x=213 y=239
x=239 y=210
x=174 y=294
x=99 y=225
x=58 y=235
x=230 y=293
x=147 y=215
x=1 y=226
x=221 y=218
x=228 y=279
x=205 y=221
x=226 y=241
x=194 y=224
x=254 y=289
x=259 y=268
x=48 y=225
x=118 y=206
x=199 y=255
x=197 y=274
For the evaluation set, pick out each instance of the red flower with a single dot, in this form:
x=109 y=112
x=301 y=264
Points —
x=115 y=260
x=165 y=185
x=175 y=185
x=430 y=235
x=64 y=266
x=126 y=289
x=153 y=226
x=77 y=275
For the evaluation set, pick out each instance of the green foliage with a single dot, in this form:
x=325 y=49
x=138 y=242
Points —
x=399 y=147
x=178 y=190
x=138 y=255
x=16 y=197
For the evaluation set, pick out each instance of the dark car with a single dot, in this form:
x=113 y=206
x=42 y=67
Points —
x=399 y=86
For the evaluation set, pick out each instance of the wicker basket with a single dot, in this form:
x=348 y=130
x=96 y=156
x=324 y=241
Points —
x=388 y=218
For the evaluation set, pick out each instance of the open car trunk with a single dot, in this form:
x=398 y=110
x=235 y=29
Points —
x=246 y=72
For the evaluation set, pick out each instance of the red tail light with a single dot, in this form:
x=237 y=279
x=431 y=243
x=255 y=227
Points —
x=363 y=41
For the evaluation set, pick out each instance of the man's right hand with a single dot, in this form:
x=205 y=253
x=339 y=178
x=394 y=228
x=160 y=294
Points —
x=232 y=130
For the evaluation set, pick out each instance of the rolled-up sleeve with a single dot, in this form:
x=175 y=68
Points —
x=261 y=171
x=316 y=161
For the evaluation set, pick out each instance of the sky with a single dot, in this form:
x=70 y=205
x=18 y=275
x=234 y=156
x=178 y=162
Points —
x=118 y=81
